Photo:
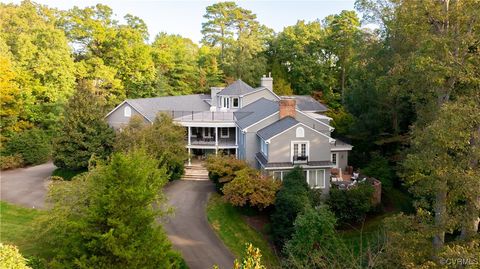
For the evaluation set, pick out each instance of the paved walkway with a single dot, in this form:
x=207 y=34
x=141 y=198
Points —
x=188 y=228
x=26 y=186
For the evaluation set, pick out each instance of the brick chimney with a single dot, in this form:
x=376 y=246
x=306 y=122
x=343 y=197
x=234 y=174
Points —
x=287 y=107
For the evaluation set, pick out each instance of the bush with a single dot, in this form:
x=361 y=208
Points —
x=379 y=168
x=249 y=187
x=222 y=169
x=34 y=145
x=291 y=200
x=11 y=258
x=11 y=162
x=67 y=174
x=350 y=206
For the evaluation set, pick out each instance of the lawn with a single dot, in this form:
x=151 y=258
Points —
x=228 y=223
x=15 y=227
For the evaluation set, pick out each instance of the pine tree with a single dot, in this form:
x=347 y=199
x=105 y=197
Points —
x=84 y=132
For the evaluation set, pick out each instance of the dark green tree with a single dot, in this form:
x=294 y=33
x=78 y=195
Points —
x=107 y=218
x=84 y=132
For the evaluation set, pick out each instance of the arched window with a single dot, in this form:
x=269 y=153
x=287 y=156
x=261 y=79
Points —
x=127 y=111
x=300 y=132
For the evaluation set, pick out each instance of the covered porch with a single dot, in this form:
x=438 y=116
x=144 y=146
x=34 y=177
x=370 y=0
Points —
x=211 y=136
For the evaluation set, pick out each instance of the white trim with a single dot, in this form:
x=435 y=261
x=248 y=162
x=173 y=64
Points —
x=117 y=107
x=127 y=111
x=307 y=147
x=336 y=159
x=342 y=149
x=300 y=132
x=221 y=132
x=209 y=132
x=238 y=103
x=330 y=140
x=245 y=129
x=329 y=127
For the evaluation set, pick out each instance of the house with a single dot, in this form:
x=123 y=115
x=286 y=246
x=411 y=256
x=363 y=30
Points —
x=273 y=133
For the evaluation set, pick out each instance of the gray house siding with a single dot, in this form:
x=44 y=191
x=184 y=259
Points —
x=342 y=159
x=312 y=123
x=250 y=98
x=252 y=143
x=280 y=146
x=117 y=118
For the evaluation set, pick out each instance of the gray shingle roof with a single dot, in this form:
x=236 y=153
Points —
x=237 y=88
x=255 y=112
x=308 y=103
x=149 y=107
x=277 y=127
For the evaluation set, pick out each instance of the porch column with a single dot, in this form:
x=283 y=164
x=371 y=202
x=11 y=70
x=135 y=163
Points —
x=189 y=154
x=189 y=137
x=236 y=136
x=216 y=136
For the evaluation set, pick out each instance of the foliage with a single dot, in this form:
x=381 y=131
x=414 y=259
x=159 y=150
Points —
x=10 y=258
x=252 y=259
x=84 y=132
x=316 y=244
x=251 y=188
x=33 y=145
x=41 y=67
x=67 y=174
x=164 y=140
x=229 y=223
x=11 y=162
x=351 y=206
x=242 y=40
x=342 y=121
x=291 y=200
x=222 y=169
x=107 y=217
x=380 y=169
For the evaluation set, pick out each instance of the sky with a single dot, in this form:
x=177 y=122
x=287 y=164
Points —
x=185 y=17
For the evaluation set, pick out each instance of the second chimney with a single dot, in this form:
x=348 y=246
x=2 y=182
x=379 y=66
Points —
x=287 y=107
x=267 y=82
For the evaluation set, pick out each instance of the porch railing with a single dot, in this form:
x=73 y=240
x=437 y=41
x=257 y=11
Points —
x=200 y=115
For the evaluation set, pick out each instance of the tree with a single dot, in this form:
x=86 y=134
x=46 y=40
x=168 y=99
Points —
x=164 y=140
x=251 y=188
x=291 y=200
x=84 y=131
x=316 y=244
x=12 y=259
x=107 y=218
x=40 y=56
x=252 y=259
x=351 y=206
x=241 y=39
x=33 y=145
x=222 y=169
x=442 y=168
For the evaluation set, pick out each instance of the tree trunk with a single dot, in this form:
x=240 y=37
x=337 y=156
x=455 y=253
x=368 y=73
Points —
x=343 y=84
x=440 y=209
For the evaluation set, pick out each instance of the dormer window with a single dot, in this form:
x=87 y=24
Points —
x=127 y=112
x=235 y=102
x=225 y=102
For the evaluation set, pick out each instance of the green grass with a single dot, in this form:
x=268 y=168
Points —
x=228 y=223
x=67 y=174
x=16 y=227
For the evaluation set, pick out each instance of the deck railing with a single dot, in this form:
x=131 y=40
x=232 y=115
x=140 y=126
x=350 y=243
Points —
x=200 y=115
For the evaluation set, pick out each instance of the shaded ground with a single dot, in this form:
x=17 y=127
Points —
x=26 y=186
x=188 y=228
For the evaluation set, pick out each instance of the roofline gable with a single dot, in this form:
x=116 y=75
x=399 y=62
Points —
x=126 y=102
x=330 y=140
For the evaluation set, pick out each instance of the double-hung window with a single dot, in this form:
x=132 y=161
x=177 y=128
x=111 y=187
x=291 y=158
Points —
x=316 y=178
x=235 y=103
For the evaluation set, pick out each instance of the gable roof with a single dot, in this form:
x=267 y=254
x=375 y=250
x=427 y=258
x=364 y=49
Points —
x=237 y=88
x=255 y=112
x=307 y=103
x=149 y=107
x=277 y=127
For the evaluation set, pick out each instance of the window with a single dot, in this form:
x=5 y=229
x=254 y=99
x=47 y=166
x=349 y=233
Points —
x=225 y=102
x=127 y=111
x=316 y=178
x=300 y=151
x=334 y=158
x=278 y=175
x=224 y=133
x=235 y=102
x=264 y=147
x=208 y=132
x=300 y=132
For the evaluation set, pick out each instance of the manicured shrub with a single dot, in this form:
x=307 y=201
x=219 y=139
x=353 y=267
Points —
x=291 y=200
x=222 y=169
x=251 y=188
x=11 y=162
x=350 y=206
x=34 y=145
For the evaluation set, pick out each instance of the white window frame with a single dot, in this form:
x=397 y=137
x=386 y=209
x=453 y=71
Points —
x=225 y=102
x=233 y=102
x=307 y=148
x=221 y=133
x=210 y=133
x=127 y=111
x=264 y=147
x=300 y=132
x=281 y=175
x=335 y=163
x=317 y=184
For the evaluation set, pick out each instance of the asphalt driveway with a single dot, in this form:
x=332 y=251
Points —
x=26 y=186
x=188 y=228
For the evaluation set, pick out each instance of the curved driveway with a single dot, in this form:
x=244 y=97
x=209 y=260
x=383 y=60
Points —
x=26 y=186
x=188 y=228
